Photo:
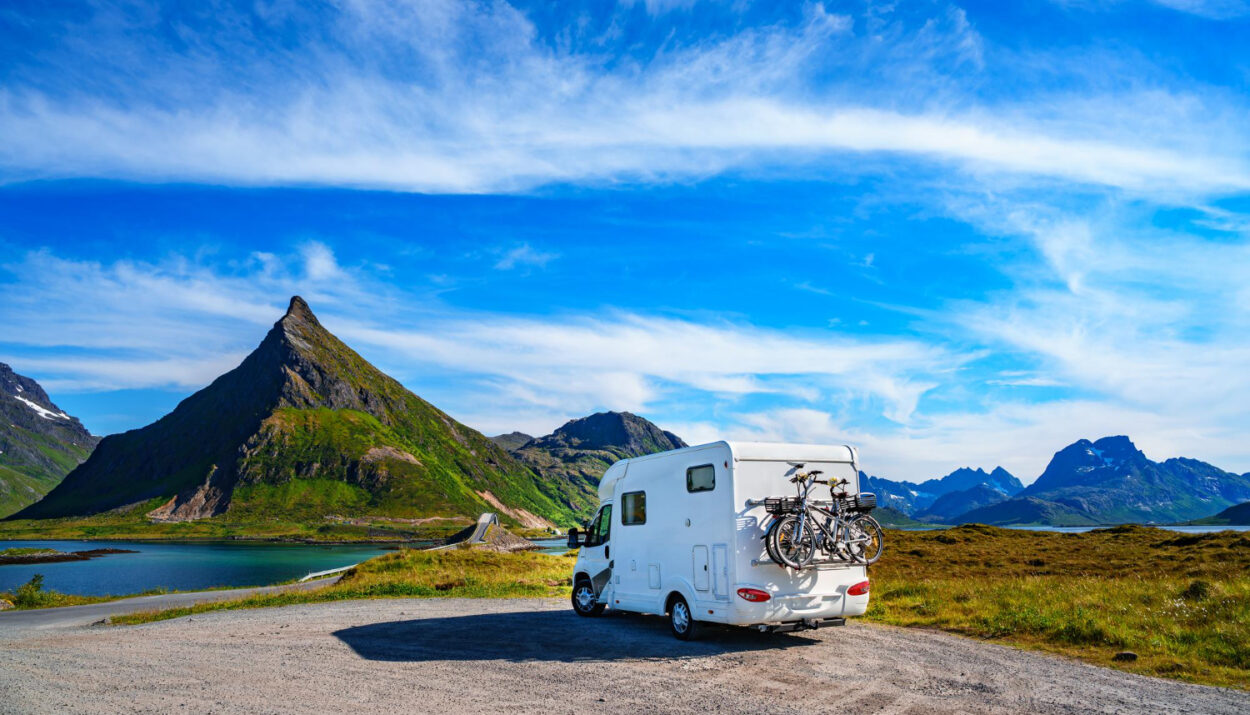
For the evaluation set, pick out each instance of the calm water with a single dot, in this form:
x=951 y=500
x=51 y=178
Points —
x=179 y=566
x=1083 y=529
x=553 y=546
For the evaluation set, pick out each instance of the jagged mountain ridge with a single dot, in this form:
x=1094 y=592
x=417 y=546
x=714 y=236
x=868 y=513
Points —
x=574 y=457
x=1110 y=481
x=39 y=442
x=302 y=428
x=911 y=498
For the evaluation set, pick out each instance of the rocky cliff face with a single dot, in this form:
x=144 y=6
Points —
x=39 y=442
x=302 y=428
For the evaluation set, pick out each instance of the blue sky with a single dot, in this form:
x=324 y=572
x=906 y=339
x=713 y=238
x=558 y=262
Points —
x=953 y=234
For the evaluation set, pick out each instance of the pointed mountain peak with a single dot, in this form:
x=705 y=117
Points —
x=298 y=310
x=1119 y=445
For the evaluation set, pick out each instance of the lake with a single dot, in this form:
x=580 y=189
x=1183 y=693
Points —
x=180 y=566
x=1187 y=529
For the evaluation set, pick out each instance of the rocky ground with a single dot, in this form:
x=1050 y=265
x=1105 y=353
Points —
x=471 y=656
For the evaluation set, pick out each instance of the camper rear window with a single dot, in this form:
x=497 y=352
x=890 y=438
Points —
x=701 y=479
x=634 y=508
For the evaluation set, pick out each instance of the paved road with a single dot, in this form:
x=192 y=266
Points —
x=17 y=623
x=473 y=656
x=479 y=531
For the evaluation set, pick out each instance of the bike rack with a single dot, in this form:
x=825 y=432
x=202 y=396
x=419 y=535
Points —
x=818 y=565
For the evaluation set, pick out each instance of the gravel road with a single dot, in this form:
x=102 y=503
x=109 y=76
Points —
x=16 y=622
x=473 y=656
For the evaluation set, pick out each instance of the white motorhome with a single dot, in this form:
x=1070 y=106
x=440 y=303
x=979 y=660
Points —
x=681 y=533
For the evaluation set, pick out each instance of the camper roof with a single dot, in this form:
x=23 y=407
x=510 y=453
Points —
x=745 y=451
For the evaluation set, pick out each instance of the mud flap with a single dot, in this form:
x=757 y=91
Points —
x=600 y=580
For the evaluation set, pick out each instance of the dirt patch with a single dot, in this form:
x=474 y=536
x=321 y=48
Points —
x=528 y=519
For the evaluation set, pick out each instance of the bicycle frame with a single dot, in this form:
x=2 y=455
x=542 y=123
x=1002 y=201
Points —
x=836 y=521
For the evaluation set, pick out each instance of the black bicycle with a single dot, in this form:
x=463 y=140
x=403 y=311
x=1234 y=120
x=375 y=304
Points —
x=802 y=527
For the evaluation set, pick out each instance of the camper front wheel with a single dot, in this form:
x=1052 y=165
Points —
x=584 y=600
x=681 y=619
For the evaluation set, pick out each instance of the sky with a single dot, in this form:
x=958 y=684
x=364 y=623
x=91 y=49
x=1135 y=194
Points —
x=953 y=234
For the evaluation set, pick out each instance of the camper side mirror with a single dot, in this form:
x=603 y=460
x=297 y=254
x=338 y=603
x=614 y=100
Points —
x=576 y=538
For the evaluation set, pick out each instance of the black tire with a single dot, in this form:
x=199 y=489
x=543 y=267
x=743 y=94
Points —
x=866 y=527
x=681 y=620
x=584 y=600
x=791 y=552
x=769 y=540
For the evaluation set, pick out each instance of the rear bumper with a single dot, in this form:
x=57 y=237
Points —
x=807 y=624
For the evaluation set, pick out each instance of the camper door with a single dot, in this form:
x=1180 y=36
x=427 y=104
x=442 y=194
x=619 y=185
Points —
x=597 y=552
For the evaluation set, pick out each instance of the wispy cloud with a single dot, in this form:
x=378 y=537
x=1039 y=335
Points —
x=524 y=255
x=333 y=110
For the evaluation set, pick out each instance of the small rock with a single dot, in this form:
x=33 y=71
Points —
x=1126 y=656
x=101 y=622
x=5 y=604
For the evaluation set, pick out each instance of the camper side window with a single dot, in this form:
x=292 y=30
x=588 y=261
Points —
x=701 y=479
x=634 y=508
x=599 y=530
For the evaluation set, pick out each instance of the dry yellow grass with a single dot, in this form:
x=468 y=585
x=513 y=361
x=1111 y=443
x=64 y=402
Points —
x=1180 y=602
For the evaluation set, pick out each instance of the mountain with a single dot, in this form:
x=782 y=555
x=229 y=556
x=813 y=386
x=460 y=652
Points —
x=951 y=505
x=912 y=499
x=1110 y=481
x=302 y=429
x=39 y=443
x=575 y=456
x=964 y=478
x=1026 y=510
x=512 y=440
x=1238 y=515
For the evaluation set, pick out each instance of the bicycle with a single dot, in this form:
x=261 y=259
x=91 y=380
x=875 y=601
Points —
x=847 y=531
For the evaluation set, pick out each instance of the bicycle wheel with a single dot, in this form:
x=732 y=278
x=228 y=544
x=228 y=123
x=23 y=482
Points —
x=865 y=540
x=790 y=547
x=770 y=540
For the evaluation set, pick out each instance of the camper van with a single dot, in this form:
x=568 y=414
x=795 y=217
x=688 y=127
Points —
x=681 y=534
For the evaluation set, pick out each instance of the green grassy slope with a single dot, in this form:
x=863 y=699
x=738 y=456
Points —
x=304 y=428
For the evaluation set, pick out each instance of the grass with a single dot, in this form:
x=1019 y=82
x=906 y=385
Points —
x=1181 y=602
x=32 y=595
x=24 y=551
x=409 y=573
x=131 y=525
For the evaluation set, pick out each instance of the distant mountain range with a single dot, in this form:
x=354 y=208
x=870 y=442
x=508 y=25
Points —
x=302 y=429
x=933 y=499
x=39 y=442
x=1108 y=481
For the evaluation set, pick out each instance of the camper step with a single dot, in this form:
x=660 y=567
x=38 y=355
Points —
x=807 y=624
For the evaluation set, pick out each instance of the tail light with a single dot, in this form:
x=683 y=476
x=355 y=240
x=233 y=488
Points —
x=754 y=595
x=859 y=589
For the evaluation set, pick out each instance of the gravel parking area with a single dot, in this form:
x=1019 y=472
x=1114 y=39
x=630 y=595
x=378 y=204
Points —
x=473 y=656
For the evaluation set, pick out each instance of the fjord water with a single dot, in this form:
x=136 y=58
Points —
x=180 y=566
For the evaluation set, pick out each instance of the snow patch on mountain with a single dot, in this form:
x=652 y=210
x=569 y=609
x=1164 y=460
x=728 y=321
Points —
x=41 y=411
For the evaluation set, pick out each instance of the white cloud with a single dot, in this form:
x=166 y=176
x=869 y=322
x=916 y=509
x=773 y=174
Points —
x=1213 y=9
x=526 y=115
x=524 y=255
x=319 y=261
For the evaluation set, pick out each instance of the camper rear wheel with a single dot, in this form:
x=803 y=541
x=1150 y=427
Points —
x=681 y=619
x=584 y=600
